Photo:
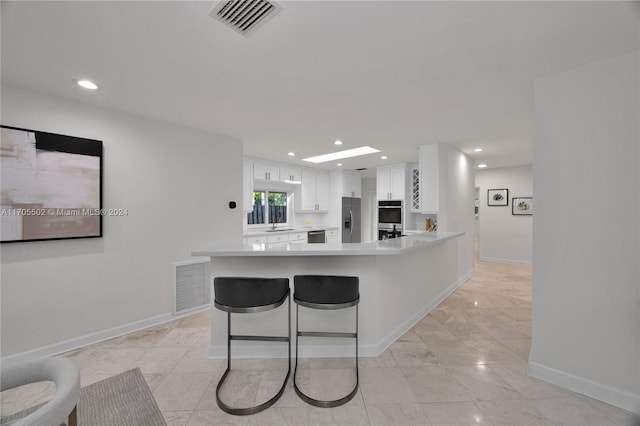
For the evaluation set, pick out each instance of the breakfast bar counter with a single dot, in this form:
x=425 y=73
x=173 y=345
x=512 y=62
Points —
x=401 y=280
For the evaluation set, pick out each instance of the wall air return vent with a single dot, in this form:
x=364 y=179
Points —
x=191 y=286
x=245 y=16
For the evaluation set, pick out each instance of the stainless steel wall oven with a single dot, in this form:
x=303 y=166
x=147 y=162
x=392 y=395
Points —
x=389 y=219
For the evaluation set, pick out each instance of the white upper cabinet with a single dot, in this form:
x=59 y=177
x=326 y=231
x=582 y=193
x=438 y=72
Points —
x=390 y=182
x=266 y=172
x=429 y=180
x=322 y=190
x=247 y=186
x=290 y=174
x=314 y=191
x=351 y=184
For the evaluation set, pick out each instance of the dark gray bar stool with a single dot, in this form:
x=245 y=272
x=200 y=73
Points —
x=245 y=296
x=327 y=292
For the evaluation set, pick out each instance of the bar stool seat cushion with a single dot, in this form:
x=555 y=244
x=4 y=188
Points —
x=242 y=292
x=326 y=289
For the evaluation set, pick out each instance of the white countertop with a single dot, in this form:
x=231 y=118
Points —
x=387 y=247
x=267 y=231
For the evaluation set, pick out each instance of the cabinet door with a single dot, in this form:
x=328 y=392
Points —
x=266 y=172
x=308 y=190
x=429 y=182
x=351 y=185
x=322 y=191
x=256 y=240
x=396 y=185
x=277 y=239
x=298 y=238
x=383 y=184
x=247 y=186
x=289 y=174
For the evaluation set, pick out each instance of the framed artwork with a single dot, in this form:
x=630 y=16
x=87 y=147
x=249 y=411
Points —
x=51 y=186
x=498 y=197
x=522 y=206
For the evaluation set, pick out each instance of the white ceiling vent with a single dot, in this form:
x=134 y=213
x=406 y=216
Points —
x=245 y=16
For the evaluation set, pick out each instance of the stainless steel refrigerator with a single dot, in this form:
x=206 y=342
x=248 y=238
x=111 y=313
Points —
x=351 y=223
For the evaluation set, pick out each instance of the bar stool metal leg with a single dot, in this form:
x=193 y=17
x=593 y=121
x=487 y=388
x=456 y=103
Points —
x=256 y=409
x=302 y=395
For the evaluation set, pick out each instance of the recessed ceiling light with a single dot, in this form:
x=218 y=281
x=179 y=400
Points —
x=338 y=142
x=87 y=84
x=291 y=154
x=482 y=166
x=355 y=152
x=477 y=150
x=339 y=164
x=384 y=157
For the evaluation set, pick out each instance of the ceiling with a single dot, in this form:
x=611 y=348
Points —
x=393 y=75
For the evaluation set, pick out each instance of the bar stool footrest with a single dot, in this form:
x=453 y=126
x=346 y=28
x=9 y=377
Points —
x=259 y=338
x=326 y=334
x=249 y=410
x=321 y=403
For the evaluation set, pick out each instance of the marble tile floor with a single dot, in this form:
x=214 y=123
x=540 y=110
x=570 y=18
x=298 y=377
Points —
x=463 y=364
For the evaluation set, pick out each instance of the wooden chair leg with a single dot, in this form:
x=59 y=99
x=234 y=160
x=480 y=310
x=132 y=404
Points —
x=73 y=417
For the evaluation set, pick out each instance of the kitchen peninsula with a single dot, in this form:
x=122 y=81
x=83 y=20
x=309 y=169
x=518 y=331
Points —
x=401 y=280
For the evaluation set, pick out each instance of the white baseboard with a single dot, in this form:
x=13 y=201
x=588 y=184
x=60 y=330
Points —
x=89 y=339
x=619 y=398
x=509 y=261
x=341 y=351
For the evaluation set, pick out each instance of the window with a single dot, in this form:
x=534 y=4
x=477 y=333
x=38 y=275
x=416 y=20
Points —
x=275 y=211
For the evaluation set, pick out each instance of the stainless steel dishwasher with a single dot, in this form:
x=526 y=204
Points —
x=315 y=237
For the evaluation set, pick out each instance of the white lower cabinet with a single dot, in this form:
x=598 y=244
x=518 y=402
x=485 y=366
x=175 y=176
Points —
x=332 y=236
x=298 y=238
x=278 y=239
x=255 y=240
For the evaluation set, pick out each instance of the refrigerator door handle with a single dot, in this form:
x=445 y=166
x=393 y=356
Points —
x=351 y=222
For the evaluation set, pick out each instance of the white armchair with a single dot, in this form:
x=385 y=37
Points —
x=63 y=372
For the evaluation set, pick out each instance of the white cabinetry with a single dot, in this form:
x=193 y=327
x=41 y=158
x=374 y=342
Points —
x=332 y=236
x=414 y=187
x=390 y=182
x=278 y=239
x=290 y=174
x=266 y=172
x=247 y=186
x=314 y=191
x=429 y=179
x=298 y=238
x=351 y=184
x=256 y=240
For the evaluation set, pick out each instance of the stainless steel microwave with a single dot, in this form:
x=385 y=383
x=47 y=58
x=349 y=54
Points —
x=390 y=212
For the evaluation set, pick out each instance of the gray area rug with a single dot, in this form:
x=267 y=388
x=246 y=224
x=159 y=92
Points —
x=122 y=400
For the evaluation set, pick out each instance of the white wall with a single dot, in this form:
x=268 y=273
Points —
x=175 y=182
x=504 y=237
x=369 y=210
x=457 y=193
x=586 y=321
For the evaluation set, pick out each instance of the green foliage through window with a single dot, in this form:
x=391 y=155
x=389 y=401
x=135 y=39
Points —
x=276 y=211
